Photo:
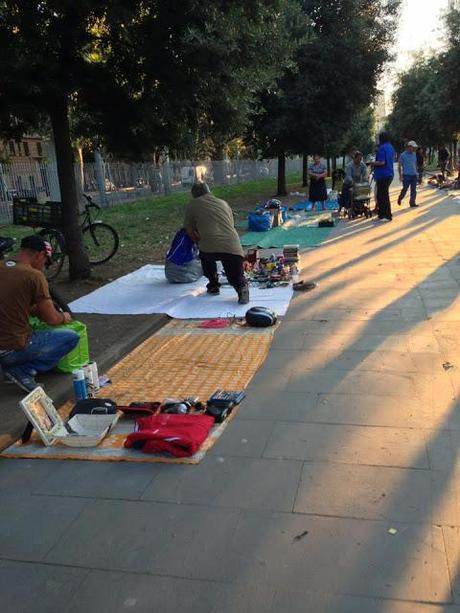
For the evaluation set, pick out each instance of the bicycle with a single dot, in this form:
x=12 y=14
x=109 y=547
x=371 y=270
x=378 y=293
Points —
x=100 y=240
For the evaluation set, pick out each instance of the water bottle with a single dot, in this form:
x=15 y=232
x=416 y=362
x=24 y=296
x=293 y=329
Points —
x=295 y=274
x=79 y=384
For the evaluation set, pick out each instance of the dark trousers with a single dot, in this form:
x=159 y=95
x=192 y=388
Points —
x=409 y=181
x=383 y=197
x=345 y=200
x=233 y=268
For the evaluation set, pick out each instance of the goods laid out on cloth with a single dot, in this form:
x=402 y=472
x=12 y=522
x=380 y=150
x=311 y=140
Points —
x=177 y=427
x=146 y=291
x=269 y=214
x=81 y=430
x=276 y=270
x=301 y=228
x=183 y=362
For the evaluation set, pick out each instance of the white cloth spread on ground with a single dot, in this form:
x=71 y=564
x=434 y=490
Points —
x=146 y=291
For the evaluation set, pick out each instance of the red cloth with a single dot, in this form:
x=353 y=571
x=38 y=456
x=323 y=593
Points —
x=179 y=435
x=215 y=323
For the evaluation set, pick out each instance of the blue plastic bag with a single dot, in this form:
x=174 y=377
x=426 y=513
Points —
x=182 y=250
x=259 y=222
x=332 y=205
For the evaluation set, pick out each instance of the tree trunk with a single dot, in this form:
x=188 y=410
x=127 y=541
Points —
x=79 y=267
x=455 y=145
x=328 y=162
x=334 y=163
x=305 y=170
x=282 y=186
x=343 y=162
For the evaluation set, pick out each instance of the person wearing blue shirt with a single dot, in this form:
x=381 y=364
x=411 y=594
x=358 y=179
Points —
x=383 y=175
x=408 y=173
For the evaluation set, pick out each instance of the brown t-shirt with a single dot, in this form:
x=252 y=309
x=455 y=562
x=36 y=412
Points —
x=212 y=218
x=21 y=288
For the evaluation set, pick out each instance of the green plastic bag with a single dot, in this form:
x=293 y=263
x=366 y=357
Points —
x=79 y=356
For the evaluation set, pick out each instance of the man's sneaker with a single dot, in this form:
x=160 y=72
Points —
x=214 y=291
x=243 y=295
x=25 y=382
x=413 y=206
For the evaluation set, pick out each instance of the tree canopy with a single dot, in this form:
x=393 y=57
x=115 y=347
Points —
x=134 y=76
x=427 y=96
x=312 y=107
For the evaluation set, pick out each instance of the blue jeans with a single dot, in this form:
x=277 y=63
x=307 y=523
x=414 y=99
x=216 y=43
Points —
x=409 y=181
x=42 y=352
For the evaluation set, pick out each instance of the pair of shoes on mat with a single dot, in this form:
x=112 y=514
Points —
x=20 y=378
x=304 y=286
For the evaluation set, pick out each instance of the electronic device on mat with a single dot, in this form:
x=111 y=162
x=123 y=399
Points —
x=222 y=402
x=260 y=317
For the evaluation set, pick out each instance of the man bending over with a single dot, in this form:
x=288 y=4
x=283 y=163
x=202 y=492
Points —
x=209 y=222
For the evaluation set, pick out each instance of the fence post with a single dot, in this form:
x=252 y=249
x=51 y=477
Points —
x=51 y=173
x=100 y=177
x=166 y=174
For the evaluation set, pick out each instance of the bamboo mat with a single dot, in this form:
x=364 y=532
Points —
x=166 y=366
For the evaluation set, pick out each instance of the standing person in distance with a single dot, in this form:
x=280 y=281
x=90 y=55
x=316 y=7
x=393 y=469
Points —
x=443 y=160
x=317 y=172
x=420 y=153
x=383 y=175
x=407 y=168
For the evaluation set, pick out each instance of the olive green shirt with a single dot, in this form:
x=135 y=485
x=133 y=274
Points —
x=212 y=219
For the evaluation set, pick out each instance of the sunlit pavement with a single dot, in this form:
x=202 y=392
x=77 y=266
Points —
x=335 y=489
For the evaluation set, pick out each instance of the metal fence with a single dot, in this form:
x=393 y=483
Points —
x=110 y=183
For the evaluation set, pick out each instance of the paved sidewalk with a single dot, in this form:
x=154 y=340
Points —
x=336 y=489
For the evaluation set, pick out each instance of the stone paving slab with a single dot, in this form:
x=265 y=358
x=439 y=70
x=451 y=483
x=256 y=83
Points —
x=338 y=556
x=38 y=588
x=33 y=524
x=96 y=479
x=348 y=444
x=155 y=538
x=244 y=483
x=368 y=492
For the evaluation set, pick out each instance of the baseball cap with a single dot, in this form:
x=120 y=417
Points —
x=37 y=243
x=412 y=143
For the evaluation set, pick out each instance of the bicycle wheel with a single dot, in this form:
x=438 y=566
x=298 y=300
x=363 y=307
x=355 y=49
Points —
x=57 y=242
x=101 y=242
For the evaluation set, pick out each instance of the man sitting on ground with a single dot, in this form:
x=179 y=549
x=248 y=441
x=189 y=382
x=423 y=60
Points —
x=209 y=222
x=24 y=291
x=356 y=172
